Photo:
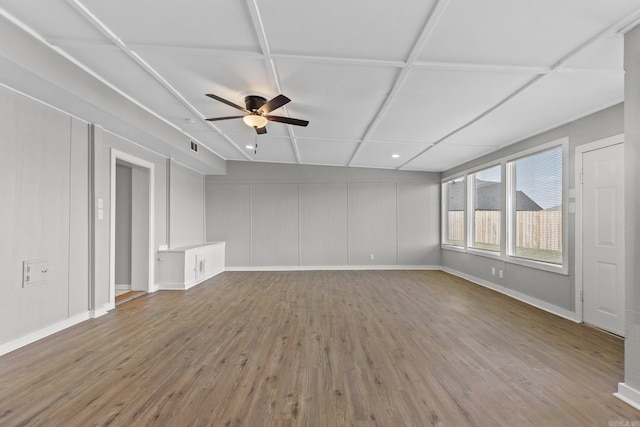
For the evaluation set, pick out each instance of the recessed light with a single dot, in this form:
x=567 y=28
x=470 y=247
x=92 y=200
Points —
x=250 y=147
x=395 y=156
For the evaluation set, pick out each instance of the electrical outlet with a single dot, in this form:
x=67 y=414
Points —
x=493 y=271
x=372 y=257
x=501 y=274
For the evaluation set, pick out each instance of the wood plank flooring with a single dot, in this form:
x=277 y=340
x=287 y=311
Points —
x=323 y=348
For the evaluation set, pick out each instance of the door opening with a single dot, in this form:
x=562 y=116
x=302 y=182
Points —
x=132 y=256
x=123 y=229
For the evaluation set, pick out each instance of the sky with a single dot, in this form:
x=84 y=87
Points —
x=540 y=177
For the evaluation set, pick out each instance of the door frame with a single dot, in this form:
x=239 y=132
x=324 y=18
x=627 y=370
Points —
x=122 y=156
x=579 y=153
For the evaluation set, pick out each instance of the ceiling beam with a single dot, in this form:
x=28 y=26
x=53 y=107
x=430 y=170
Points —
x=109 y=34
x=258 y=25
x=490 y=68
x=611 y=30
x=382 y=63
x=432 y=21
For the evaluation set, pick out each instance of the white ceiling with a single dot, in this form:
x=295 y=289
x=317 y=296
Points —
x=439 y=82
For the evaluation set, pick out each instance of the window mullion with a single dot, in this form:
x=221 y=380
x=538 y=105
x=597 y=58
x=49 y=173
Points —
x=510 y=208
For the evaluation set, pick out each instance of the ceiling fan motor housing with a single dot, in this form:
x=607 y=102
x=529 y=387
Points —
x=254 y=102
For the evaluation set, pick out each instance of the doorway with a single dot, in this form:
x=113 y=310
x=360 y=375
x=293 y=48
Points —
x=132 y=256
x=600 y=234
x=123 y=229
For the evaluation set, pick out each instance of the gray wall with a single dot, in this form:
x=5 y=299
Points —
x=186 y=215
x=123 y=225
x=298 y=215
x=53 y=169
x=556 y=289
x=44 y=199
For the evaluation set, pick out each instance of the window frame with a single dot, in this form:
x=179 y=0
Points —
x=444 y=203
x=563 y=268
x=507 y=227
x=471 y=226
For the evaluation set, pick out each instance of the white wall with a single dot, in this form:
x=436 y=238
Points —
x=44 y=199
x=186 y=214
x=299 y=215
x=555 y=289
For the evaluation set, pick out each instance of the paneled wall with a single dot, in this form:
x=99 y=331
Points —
x=44 y=214
x=186 y=213
x=295 y=215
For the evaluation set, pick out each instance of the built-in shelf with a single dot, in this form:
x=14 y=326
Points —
x=184 y=267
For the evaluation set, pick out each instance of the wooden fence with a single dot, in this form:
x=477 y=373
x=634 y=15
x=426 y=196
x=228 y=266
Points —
x=535 y=229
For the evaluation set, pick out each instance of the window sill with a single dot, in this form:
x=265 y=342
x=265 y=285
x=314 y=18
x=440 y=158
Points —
x=486 y=254
x=453 y=248
x=537 y=265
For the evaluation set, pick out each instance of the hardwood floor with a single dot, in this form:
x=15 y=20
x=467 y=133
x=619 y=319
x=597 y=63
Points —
x=325 y=348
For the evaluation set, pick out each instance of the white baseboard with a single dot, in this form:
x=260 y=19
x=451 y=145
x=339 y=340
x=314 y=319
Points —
x=177 y=286
x=99 y=312
x=123 y=287
x=42 y=333
x=628 y=395
x=333 y=267
x=543 y=305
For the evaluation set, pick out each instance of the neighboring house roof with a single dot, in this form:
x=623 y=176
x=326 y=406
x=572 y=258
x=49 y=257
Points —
x=488 y=198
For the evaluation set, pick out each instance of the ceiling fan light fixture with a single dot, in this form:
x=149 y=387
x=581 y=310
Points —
x=255 y=120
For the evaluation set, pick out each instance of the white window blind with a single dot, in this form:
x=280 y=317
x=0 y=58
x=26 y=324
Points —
x=537 y=217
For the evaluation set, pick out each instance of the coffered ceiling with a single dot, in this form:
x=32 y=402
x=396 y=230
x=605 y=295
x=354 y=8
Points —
x=436 y=82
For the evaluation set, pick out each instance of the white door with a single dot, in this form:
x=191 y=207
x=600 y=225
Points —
x=603 y=238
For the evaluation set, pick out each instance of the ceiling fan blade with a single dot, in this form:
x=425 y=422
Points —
x=287 y=120
x=261 y=131
x=229 y=103
x=273 y=104
x=215 y=119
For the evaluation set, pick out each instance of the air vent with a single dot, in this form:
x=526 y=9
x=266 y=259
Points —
x=194 y=146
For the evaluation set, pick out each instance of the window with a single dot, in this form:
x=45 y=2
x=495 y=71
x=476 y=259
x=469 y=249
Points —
x=536 y=201
x=486 y=209
x=511 y=209
x=453 y=202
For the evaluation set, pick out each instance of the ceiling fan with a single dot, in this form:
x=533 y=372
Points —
x=258 y=109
